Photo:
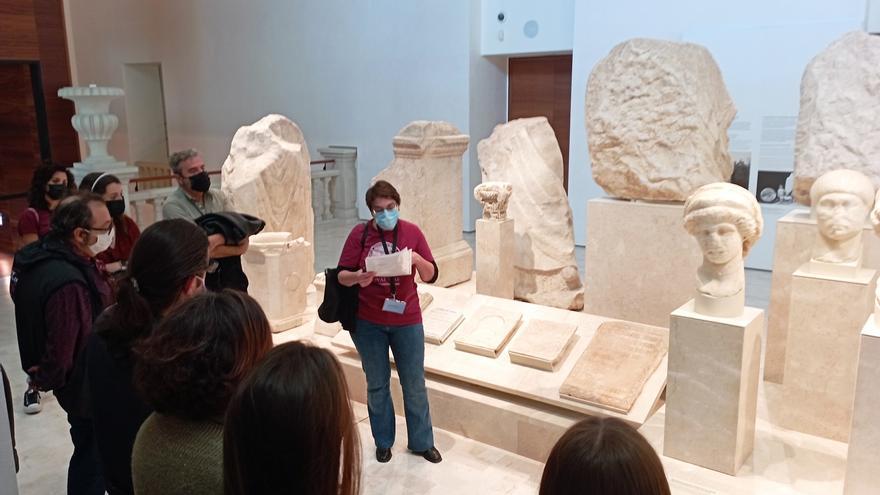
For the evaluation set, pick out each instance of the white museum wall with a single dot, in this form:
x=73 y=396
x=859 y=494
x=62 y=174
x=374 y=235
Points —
x=745 y=39
x=528 y=27
x=349 y=73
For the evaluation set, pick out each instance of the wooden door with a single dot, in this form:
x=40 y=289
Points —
x=19 y=145
x=541 y=87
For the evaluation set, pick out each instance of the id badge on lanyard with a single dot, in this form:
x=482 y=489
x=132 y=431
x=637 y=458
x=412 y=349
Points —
x=392 y=304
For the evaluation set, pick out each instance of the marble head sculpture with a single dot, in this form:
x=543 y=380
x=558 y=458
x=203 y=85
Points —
x=726 y=221
x=841 y=200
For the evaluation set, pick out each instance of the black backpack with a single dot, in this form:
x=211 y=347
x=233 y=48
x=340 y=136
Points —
x=340 y=302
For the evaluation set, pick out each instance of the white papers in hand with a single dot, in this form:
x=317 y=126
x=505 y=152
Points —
x=391 y=265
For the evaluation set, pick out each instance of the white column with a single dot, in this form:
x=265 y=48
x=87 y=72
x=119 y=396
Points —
x=345 y=187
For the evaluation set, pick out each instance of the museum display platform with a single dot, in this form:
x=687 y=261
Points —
x=783 y=461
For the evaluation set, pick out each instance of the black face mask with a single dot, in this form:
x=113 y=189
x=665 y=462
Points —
x=116 y=207
x=200 y=182
x=56 y=191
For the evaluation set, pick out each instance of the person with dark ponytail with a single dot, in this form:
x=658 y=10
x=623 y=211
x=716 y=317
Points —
x=125 y=230
x=50 y=184
x=167 y=266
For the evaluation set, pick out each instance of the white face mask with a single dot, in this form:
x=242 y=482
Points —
x=104 y=241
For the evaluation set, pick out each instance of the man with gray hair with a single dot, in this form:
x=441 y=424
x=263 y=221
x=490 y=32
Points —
x=195 y=198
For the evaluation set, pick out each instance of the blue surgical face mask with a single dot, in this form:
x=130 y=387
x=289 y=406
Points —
x=387 y=219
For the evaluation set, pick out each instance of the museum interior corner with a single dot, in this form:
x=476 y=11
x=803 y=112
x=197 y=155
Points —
x=425 y=247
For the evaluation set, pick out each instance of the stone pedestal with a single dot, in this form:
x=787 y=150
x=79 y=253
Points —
x=863 y=457
x=640 y=262
x=279 y=275
x=344 y=195
x=496 y=248
x=427 y=172
x=795 y=234
x=712 y=388
x=821 y=360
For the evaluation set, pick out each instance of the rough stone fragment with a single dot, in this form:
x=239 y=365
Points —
x=494 y=197
x=657 y=114
x=839 y=120
x=524 y=153
x=267 y=174
x=427 y=172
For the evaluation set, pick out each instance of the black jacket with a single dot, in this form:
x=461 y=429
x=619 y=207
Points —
x=235 y=228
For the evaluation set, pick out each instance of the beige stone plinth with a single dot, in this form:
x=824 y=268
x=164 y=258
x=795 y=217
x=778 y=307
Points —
x=795 y=234
x=496 y=248
x=279 y=271
x=712 y=388
x=863 y=457
x=826 y=316
x=426 y=171
x=640 y=262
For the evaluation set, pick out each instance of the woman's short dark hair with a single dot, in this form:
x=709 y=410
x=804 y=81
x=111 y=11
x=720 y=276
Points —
x=165 y=256
x=290 y=428
x=603 y=455
x=192 y=362
x=381 y=189
x=42 y=175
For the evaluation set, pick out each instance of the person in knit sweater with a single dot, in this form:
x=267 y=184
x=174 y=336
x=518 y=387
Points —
x=187 y=370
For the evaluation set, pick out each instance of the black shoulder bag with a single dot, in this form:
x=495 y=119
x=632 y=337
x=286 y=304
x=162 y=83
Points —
x=340 y=302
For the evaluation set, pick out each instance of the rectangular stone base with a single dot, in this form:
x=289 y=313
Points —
x=496 y=249
x=455 y=263
x=863 y=457
x=640 y=262
x=712 y=388
x=821 y=360
x=795 y=234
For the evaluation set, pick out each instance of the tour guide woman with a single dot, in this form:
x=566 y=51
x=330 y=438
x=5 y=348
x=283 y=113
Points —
x=389 y=316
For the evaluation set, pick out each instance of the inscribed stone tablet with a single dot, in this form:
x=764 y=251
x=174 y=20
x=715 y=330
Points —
x=439 y=323
x=487 y=331
x=615 y=366
x=541 y=344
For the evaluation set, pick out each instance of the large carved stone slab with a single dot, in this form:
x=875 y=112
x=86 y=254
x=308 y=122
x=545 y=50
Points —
x=657 y=114
x=487 y=331
x=426 y=171
x=839 y=123
x=524 y=153
x=267 y=175
x=615 y=366
x=542 y=344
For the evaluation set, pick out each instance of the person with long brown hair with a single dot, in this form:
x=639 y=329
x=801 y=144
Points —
x=167 y=266
x=290 y=427
x=600 y=456
x=187 y=371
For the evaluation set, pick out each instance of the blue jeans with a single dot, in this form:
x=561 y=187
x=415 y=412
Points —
x=407 y=343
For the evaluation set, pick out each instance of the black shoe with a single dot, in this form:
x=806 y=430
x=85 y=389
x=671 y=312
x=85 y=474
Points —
x=383 y=455
x=32 y=401
x=431 y=455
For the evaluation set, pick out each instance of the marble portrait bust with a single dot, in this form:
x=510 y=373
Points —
x=726 y=221
x=841 y=201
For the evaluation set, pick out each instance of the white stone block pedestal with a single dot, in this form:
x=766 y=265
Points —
x=712 y=388
x=496 y=249
x=863 y=457
x=279 y=276
x=826 y=316
x=640 y=262
x=795 y=234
